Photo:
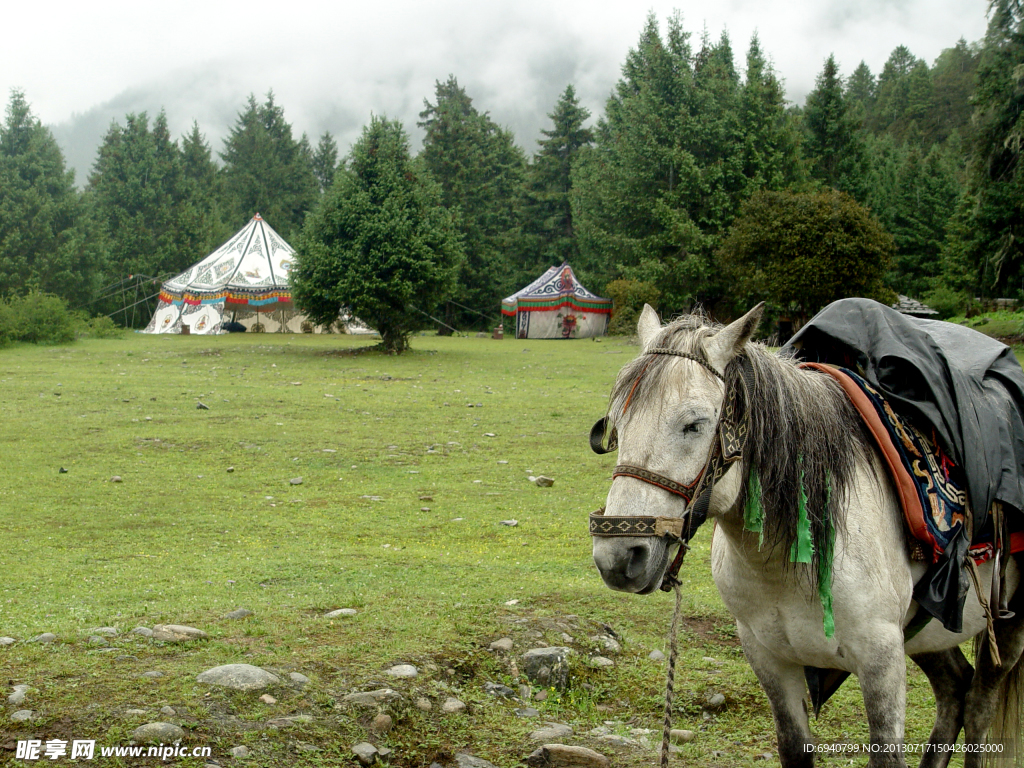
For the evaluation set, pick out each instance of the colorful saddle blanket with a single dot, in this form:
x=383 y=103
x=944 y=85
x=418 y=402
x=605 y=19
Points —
x=931 y=488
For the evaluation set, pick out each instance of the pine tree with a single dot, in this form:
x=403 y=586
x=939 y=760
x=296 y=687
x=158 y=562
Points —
x=379 y=243
x=835 y=148
x=481 y=172
x=266 y=170
x=861 y=93
x=325 y=161
x=548 y=226
x=47 y=240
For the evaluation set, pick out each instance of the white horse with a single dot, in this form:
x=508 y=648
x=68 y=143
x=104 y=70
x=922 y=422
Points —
x=806 y=440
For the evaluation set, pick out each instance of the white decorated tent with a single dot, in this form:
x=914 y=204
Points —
x=245 y=280
x=557 y=306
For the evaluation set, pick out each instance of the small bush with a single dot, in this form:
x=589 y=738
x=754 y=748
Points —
x=100 y=328
x=947 y=302
x=8 y=324
x=40 y=318
x=629 y=297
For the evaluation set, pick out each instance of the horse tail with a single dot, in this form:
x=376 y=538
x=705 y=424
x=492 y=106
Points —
x=1005 y=728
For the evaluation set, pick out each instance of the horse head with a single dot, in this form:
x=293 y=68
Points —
x=665 y=415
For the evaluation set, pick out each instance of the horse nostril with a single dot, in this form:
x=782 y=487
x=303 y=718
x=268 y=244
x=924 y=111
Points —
x=636 y=561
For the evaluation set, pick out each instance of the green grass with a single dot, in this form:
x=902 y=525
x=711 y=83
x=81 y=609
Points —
x=184 y=540
x=1002 y=324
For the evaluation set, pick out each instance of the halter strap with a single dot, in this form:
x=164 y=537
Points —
x=699 y=359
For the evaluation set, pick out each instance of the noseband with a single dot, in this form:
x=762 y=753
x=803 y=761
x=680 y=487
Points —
x=727 y=447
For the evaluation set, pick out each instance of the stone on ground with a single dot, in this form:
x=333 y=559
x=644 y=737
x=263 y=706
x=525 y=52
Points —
x=238 y=613
x=544 y=482
x=46 y=637
x=22 y=715
x=19 y=694
x=423 y=704
x=365 y=753
x=105 y=631
x=158 y=733
x=547 y=666
x=504 y=644
x=371 y=698
x=266 y=698
x=656 y=655
x=153 y=674
x=177 y=633
x=240 y=751
x=7 y=641
x=144 y=631
x=497 y=689
x=462 y=760
x=238 y=677
x=168 y=710
x=563 y=756
x=298 y=678
x=452 y=705
x=715 y=703
x=681 y=736
x=341 y=612
x=382 y=723
x=403 y=670
x=601 y=661
x=551 y=732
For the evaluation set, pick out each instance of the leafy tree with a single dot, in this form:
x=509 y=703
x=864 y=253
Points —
x=47 y=240
x=548 y=226
x=835 y=148
x=801 y=251
x=481 y=173
x=266 y=170
x=325 y=161
x=379 y=243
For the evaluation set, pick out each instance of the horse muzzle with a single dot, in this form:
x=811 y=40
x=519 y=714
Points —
x=631 y=564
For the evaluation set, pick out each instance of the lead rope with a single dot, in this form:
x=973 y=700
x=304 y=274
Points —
x=670 y=675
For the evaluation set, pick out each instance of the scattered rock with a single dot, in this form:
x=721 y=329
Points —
x=240 y=751
x=656 y=655
x=382 y=723
x=526 y=712
x=170 y=711
x=97 y=640
x=7 y=641
x=497 y=689
x=365 y=753
x=144 y=631
x=543 y=482
x=452 y=705
x=371 y=698
x=201 y=406
x=230 y=470
x=46 y=637
x=563 y=756
x=423 y=704
x=177 y=633
x=298 y=678
x=681 y=736
x=765 y=756
x=510 y=523
x=238 y=613
x=341 y=612
x=462 y=760
x=610 y=644
x=105 y=631
x=22 y=715
x=547 y=666
x=116 y=479
x=158 y=733
x=153 y=674
x=238 y=677
x=135 y=713
x=551 y=732
x=296 y=481
x=266 y=698
x=715 y=703
x=600 y=662
x=541 y=695
x=19 y=694
x=403 y=670
x=504 y=644
x=288 y=722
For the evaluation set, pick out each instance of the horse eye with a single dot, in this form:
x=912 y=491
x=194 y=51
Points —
x=693 y=427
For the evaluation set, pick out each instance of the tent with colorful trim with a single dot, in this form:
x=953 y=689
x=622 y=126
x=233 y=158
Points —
x=245 y=280
x=556 y=306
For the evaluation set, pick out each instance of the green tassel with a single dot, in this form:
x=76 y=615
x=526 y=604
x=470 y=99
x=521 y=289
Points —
x=803 y=547
x=825 y=569
x=753 y=513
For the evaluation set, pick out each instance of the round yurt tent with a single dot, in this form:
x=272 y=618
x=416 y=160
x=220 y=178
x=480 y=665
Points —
x=245 y=281
x=557 y=306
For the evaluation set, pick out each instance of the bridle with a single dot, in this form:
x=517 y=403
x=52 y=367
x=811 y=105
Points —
x=727 y=447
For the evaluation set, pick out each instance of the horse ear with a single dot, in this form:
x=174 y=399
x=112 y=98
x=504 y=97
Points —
x=729 y=341
x=648 y=326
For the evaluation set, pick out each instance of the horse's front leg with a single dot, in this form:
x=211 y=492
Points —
x=950 y=675
x=883 y=679
x=784 y=685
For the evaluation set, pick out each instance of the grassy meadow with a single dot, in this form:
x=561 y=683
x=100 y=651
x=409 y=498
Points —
x=399 y=514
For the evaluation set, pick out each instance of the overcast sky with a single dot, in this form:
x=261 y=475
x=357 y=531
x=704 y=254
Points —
x=331 y=65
